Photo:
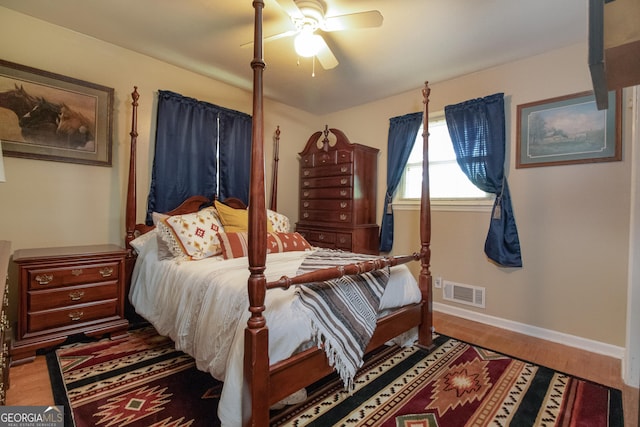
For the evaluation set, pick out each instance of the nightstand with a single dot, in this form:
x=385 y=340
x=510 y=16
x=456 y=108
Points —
x=68 y=291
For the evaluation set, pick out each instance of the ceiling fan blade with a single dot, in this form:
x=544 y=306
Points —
x=273 y=37
x=290 y=7
x=326 y=57
x=369 y=19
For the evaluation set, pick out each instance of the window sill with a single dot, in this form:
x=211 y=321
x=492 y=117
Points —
x=474 y=205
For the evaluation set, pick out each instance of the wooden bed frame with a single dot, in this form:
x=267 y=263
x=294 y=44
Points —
x=266 y=384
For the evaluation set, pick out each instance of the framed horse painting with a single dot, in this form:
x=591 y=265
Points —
x=48 y=116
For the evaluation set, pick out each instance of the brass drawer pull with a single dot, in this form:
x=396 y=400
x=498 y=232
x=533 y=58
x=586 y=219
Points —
x=306 y=173
x=106 y=271
x=343 y=240
x=305 y=193
x=76 y=295
x=305 y=204
x=305 y=214
x=76 y=315
x=343 y=181
x=321 y=237
x=4 y=322
x=77 y=272
x=343 y=169
x=343 y=205
x=343 y=217
x=44 y=279
x=305 y=183
x=343 y=192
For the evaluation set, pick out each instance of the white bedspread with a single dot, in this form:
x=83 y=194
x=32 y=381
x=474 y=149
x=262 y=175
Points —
x=203 y=306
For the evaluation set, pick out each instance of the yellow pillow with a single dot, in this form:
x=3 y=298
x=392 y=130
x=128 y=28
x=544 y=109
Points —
x=234 y=220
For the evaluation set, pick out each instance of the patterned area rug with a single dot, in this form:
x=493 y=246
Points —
x=143 y=381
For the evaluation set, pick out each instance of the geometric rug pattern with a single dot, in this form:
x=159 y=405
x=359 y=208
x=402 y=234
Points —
x=143 y=381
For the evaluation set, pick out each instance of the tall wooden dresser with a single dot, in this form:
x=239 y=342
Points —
x=338 y=182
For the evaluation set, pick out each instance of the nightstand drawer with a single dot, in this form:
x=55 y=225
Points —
x=50 y=277
x=57 y=298
x=49 y=319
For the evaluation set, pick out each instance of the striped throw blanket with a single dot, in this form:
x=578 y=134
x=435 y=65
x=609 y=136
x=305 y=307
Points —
x=343 y=311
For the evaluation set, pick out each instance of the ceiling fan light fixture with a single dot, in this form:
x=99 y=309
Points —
x=307 y=44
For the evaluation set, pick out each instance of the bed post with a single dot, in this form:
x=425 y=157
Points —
x=425 y=337
x=130 y=217
x=255 y=402
x=130 y=213
x=273 y=205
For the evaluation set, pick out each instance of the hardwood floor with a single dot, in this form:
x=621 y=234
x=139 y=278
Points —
x=29 y=383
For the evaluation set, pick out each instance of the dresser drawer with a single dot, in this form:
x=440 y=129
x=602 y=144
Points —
x=327 y=193
x=63 y=297
x=326 y=205
x=334 y=170
x=67 y=316
x=332 y=181
x=51 y=277
x=343 y=241
x=327 y=239
x=318 y=236
x=326 y=216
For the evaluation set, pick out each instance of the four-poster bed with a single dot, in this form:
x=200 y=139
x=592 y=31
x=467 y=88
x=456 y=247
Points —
x=269 y=373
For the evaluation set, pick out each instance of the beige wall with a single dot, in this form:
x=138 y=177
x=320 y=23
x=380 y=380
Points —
x=62 y=204
x=573 y=220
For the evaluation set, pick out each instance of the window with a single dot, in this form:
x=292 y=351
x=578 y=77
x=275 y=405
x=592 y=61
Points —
x=448 y=184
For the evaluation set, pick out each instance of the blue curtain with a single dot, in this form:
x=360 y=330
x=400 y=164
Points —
x=185 y=162
x=477 y=129
x=235 y=150
x=403 y=131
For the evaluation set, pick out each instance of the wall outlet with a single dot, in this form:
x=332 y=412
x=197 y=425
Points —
x=438 y=282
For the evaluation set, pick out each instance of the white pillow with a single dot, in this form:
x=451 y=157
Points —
x=140 y=242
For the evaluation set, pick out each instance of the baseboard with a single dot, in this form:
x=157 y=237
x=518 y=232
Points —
x=534 y=331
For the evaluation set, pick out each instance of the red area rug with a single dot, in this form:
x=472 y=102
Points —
x=143 y=381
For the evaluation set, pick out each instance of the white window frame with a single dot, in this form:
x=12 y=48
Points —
x=483 y=204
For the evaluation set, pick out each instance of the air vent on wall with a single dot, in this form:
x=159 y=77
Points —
x=464 y=294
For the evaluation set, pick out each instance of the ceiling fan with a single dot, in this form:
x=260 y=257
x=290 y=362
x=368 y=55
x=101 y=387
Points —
x=308 y=17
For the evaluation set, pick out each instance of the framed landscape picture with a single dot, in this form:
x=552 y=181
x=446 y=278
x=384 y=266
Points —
x=569 y=130
x=48 y=116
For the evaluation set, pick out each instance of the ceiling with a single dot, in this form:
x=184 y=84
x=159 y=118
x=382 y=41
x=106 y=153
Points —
x=419 y=40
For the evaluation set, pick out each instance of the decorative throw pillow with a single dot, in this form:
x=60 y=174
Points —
x=235 y=220
x=280 y=223
x=191 y=236
x=236 y=244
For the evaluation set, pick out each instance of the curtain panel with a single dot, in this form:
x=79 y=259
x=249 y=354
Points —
x=477 y=130
x=235 y=155
x=403 y=131
x=197 y=144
